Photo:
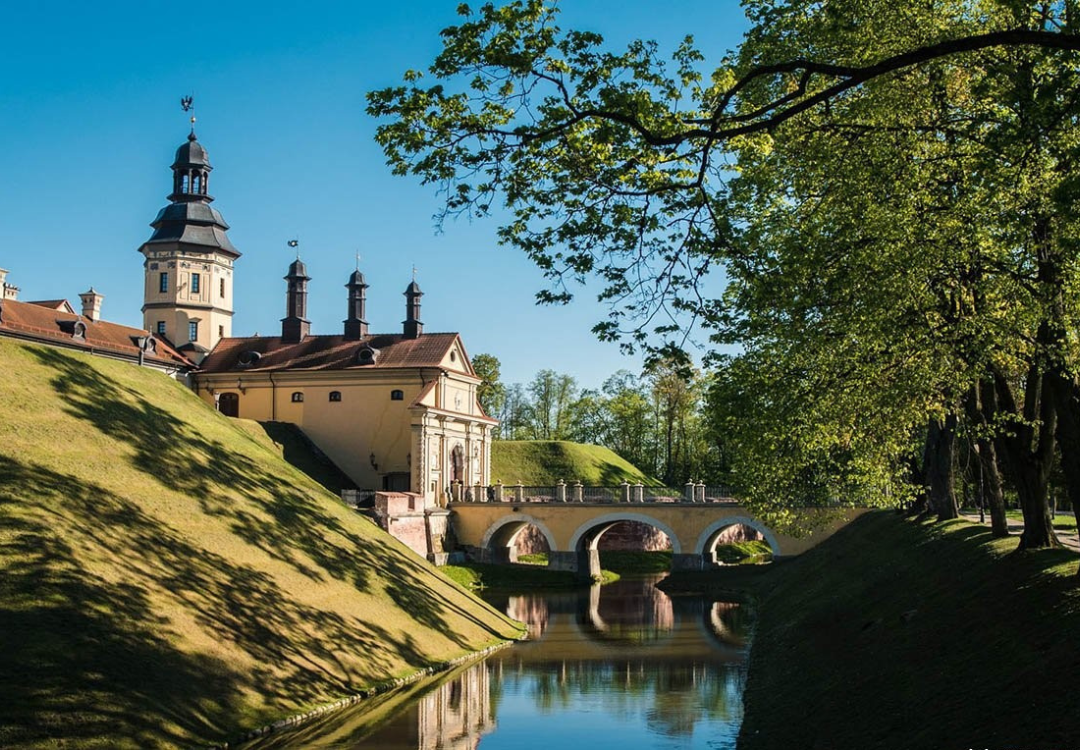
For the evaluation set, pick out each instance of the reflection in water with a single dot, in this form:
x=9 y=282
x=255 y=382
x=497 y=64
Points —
x=623 y=667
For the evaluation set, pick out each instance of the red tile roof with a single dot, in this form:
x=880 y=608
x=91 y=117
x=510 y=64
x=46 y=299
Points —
x=53 y=304
x=51 y=325
x=329 y=352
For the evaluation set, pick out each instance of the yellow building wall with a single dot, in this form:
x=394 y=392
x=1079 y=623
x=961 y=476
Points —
x=368 y=434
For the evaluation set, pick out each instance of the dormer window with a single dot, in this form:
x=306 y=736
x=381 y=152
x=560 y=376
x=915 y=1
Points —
x=367 y=355
x=79 y=330
x=248 y=358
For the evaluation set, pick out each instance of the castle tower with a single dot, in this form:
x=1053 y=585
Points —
x=295 y=326
x=188 y=293
x=356 y=325
x=412 y=327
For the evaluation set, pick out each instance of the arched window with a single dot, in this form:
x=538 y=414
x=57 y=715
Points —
x=229 y=404
x=298 y=397
x=397 y=395
x=335 y=395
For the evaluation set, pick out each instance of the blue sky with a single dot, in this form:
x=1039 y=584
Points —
x=89 y=110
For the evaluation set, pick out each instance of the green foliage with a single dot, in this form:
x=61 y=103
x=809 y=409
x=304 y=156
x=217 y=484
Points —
x=491 y=392
x=888 y=190
x=166 y=579
x=544 y=463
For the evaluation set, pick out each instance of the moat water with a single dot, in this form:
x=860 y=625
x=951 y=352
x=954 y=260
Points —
x=621 y=666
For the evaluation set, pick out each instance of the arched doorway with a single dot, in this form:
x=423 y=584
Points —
x=229 y=404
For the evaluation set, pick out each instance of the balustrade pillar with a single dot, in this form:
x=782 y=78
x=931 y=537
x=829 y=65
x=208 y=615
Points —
x=639 y=493
x=579 y=492
x=688 y=492
x=625 y=492
x=560 y=492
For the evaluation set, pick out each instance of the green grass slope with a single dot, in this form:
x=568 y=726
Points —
x=545 y=462
x=167 y=579
x=893 y=634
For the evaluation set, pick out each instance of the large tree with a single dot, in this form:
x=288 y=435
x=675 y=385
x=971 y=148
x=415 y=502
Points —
x=913 y=166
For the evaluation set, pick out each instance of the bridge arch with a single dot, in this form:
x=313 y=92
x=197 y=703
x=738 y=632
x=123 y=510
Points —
x=584 y=537
x=707 y=539
x=501 y=534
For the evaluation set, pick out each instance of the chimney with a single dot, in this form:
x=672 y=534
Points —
x=356 y=326
x=91 y=304
x=413 y=326
x=7 y=291
x=295 y=326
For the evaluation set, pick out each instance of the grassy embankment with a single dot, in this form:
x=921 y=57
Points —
x=540 y=463
x=167 y=579
x=894 y=634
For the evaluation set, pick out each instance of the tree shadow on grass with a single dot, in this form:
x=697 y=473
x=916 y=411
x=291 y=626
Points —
x=98 y=656
x=292 y=527
x=90 y=655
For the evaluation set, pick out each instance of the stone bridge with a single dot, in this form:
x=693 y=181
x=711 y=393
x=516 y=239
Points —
x=488 y=530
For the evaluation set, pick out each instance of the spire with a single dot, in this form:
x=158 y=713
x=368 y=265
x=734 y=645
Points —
x=413 y=327
x=356 y=325
x=295 y=326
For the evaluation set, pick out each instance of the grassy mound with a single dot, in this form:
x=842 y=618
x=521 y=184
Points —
x=167 y=579
x=893 y=634
x=545 y=462
x=521 y=577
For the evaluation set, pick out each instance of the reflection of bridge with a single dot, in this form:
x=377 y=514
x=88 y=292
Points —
x=629 y=619
x=573 y=530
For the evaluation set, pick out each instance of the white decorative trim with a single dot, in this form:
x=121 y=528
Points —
x=717 y=526
x=676 y=546
x=522 y=518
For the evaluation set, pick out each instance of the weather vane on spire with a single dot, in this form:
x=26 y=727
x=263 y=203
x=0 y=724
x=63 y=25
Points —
x=295 y=243
x=414 y=270
x=187 y=103
x=357 y=260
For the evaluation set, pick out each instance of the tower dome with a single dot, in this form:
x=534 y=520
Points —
x=192 y=154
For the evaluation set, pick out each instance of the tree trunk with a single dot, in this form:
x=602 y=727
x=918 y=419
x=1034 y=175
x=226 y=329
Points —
x=1029 y=454
x=993 y=492
x=1068 y=399
x=939 y=472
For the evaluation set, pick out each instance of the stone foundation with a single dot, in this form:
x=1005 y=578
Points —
x=426 y=531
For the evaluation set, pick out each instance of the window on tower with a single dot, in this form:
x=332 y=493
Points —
x=222 y=282
x=193 y=331
x=195 y=283
x=163 y=281
x=161 y=328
